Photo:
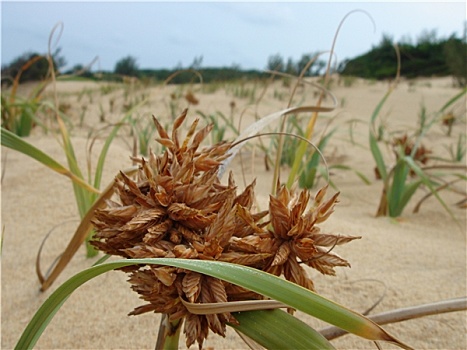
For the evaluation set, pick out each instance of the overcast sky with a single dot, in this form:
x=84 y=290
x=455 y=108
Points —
x=171 y=34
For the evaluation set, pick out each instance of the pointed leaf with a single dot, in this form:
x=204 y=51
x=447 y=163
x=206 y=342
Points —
x=10 y=140
x=258 y=281
x=426 y=181
x=266 y=327
x=400 y=172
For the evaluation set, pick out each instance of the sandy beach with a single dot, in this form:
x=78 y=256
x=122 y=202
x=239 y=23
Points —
x=414 y=259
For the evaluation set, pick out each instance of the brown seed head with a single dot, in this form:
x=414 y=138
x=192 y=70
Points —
x=176 y=207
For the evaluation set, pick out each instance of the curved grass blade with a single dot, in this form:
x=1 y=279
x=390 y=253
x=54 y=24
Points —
x=80 y=235
x=256 y=127
x=426 y=181
x=266 y=327
x=255 y=280
x=10 y=140
x=452 y=100
x=108 y=141
x=460 y=177
x=378 y=157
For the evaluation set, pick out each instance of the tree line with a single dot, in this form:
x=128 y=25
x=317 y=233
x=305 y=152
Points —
x=429 y=56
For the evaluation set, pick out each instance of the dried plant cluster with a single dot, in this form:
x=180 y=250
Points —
x=178 y=208
x=407 y=145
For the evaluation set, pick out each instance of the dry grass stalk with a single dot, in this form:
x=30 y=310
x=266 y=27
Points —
x=177 y=207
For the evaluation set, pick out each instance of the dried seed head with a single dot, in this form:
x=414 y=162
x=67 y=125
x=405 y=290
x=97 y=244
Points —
x=298 y=239
x=176 y=207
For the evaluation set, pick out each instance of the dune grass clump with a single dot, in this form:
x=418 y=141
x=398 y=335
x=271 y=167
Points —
x=19 y=115
x=409 y=172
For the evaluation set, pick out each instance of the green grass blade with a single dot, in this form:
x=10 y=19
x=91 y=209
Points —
x=315 y=158
x=10 y=140
x=104 y=151
x=108 y=141
x=407 y=194
x=83 y=197
x=90 y=198
x=249 y=278
x=375 y=151
x=266 y=327
x=397 y=187
x=26 y=120
x=306 y=179
x=428 y=183
x=362 y=176
x=308 y=175
x=453 y=100
x=379 y=106
x=378 y=157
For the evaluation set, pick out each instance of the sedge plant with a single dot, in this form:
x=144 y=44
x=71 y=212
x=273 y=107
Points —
x=19 y=115
x=409 y=172
x=197 y=252
x=86 y=189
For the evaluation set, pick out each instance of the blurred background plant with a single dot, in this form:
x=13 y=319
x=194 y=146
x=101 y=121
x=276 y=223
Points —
x=410 y=171
x=19 y=114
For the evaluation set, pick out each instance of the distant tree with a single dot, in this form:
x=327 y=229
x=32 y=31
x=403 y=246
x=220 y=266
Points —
x=430 y=56
x=59 y=60
x=302 y=63
x=386 y=41
x=127 y=66
x=76 y=68
x=37 y=70
x=406 y=40
x=196 y=64
x=236 y=67
x=314 y=69
x=428 y=37
x=342 y=65
x=455 y=53
x=290 y=67
x=178 y=66
x=275 y=63
x=379 y=62
x=318 y=67
x=79 y=69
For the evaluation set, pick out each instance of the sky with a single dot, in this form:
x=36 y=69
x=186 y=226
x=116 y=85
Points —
x=224 y=33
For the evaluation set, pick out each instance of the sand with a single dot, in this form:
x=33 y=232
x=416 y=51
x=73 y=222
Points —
x=414 y=259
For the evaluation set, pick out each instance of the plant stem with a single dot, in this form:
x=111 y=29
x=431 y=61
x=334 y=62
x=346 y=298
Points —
x=398 y=315
x=169 y=334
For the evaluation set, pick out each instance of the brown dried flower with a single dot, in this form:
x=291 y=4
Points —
x=421 y=154
x=176 y=207
x=294 y=239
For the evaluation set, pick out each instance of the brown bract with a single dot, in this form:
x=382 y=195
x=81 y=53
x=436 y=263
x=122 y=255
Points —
x=296 y=240
x=176 y=207
x=407 y=145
